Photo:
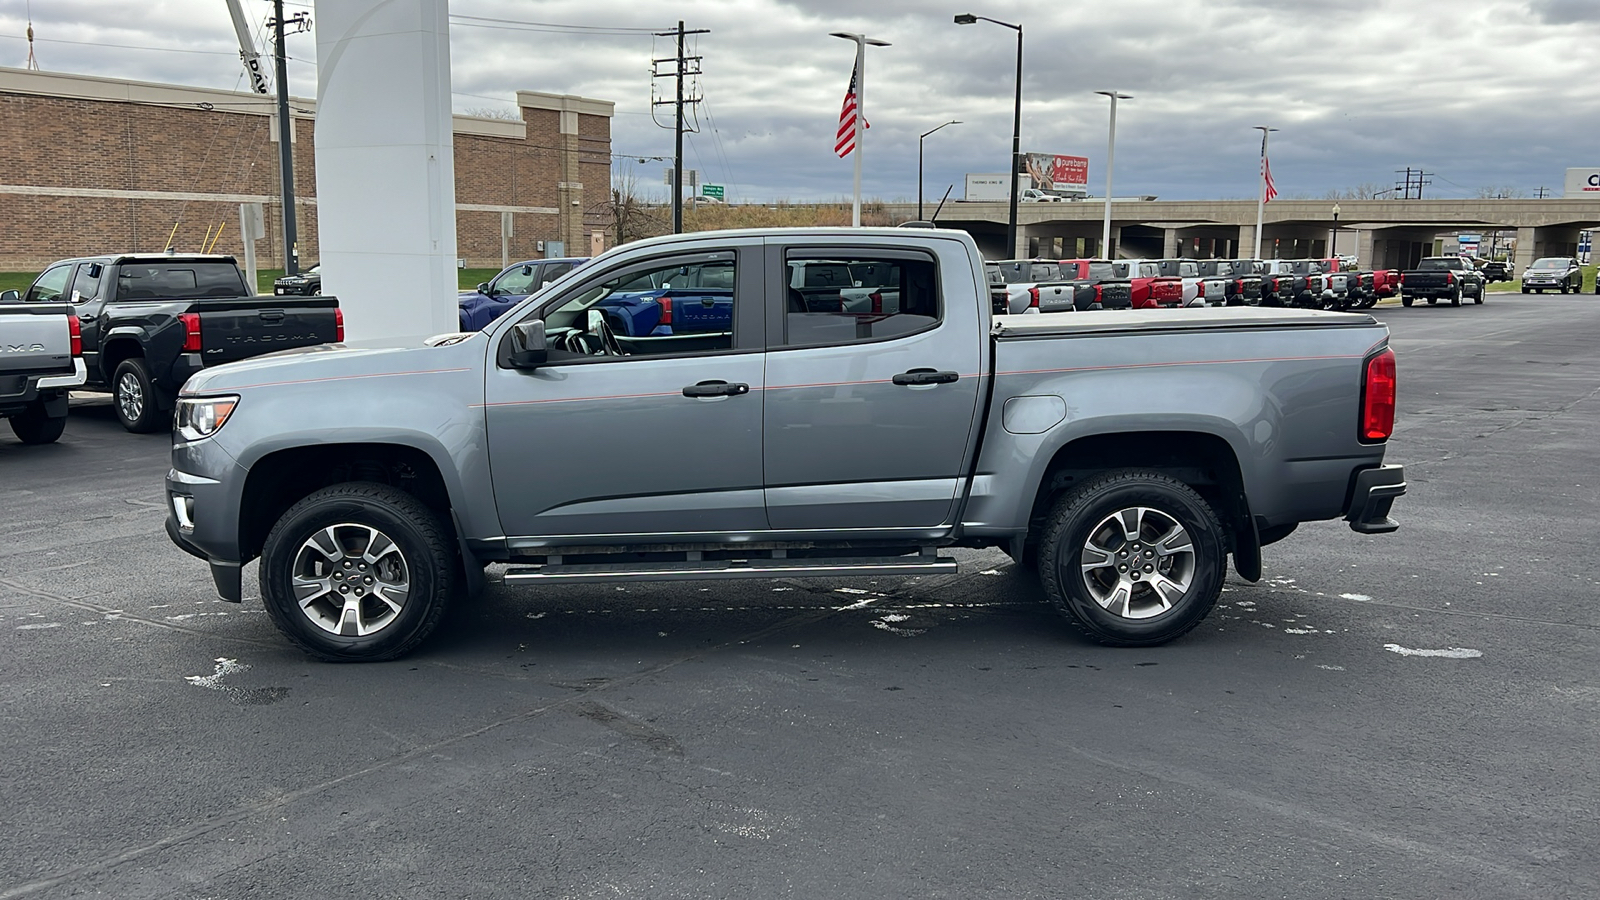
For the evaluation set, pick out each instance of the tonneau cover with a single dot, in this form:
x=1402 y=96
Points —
x=1186 y=319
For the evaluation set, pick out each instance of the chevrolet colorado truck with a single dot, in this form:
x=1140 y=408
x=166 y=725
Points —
x=1436 y=278
x=1124 y=455
x=41 y=358
x=152 y=320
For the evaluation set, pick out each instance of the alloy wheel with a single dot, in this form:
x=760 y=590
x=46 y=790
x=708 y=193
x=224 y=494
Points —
x=1138 y=562
x=350 y=580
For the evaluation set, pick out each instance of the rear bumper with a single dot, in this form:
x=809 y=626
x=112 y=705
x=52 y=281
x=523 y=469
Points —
x=1371 y=498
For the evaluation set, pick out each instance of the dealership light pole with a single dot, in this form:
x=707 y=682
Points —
x=1111 y=156
x=1016 y=130
x=1261 y=198
x=919 y=162
x=861 y=108
x=1333 y=237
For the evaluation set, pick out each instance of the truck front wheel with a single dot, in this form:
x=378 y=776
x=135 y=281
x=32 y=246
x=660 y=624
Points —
x=1133 y=558
x=34 y=425
x=358 y=572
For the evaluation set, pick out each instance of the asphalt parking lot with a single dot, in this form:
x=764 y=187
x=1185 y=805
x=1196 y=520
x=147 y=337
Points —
x=1411 y=715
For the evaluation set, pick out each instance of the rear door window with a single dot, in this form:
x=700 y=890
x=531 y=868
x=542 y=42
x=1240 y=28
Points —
x=832 y=300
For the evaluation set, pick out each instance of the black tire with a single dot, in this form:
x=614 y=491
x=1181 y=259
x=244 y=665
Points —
x=1455 y=299
x=35 y=426
x=427 y=565
x=316 y=291
x=133 y=396
x=1526 y=289
x=1082 y=515
x=1483 y=291
x=1405 y=301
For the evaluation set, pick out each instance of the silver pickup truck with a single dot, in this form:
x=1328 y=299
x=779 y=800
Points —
x=41 y=358
x=1125 y=455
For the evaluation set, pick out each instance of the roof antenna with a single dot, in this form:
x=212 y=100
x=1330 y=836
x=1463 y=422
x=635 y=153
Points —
x=33 y=62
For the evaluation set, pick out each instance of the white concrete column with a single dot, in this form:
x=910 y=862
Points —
x=1364 y=250
x=1247 y=240
x=1169 y=243
x=1527 y=248
x=386 y=187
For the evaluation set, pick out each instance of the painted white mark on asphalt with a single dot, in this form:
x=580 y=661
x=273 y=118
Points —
x=224 y=668
x=886 y=623
x=1332 y=668
x=38 y=626
x=1359 y=598
x=538 y=615
x=990 y=572
x=850 y=591
x=1448 y=652
x=781 y=589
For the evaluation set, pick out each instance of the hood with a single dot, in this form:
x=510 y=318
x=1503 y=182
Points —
x=355 y=359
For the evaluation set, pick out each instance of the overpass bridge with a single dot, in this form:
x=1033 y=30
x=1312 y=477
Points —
x=1386 y=233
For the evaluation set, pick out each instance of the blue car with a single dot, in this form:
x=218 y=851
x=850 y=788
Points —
x=514 y=283
x=694 y=299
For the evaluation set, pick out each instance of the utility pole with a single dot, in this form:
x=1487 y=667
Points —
x=680 y=69
x=1413 y=178
x=1543 y=192
x=291 y=240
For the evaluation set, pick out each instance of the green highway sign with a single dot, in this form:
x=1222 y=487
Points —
x=711 y=190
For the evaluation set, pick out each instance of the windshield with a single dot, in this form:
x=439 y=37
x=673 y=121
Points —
x=1549 y=263
x=179 y=280
x=1432 y=265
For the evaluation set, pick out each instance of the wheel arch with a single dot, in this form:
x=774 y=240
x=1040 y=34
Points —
x=1203 y=460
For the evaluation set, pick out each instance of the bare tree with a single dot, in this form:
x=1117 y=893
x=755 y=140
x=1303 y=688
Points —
x=493 y=112
x=628 y=213
x=1501 y=192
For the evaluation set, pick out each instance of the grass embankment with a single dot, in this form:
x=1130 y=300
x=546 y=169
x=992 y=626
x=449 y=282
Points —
x=466 y=279
x=1507 y=287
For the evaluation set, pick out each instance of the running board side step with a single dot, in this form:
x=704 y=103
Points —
x=738 y=568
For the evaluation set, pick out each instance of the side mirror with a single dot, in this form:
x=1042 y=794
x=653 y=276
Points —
x=527 y=345
x=483 y=288
x=10 y=297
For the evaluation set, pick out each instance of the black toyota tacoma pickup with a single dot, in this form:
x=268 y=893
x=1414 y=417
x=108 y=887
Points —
x=1438 y=278
x=152 y=320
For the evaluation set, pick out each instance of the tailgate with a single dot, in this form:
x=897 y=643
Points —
x=1116 y=294
x=701 y=311
x=33 y=339
x=233 y=334
x=1056 y=297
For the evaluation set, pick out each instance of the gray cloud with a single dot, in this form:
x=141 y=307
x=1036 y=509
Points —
x=1492 y=93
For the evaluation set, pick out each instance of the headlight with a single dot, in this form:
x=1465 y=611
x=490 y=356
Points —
x=201 y=417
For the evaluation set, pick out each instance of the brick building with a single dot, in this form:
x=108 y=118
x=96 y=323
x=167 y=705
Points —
x=93 y=165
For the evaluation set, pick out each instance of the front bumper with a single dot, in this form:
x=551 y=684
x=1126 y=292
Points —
x=203 y=511
x=1371 y=498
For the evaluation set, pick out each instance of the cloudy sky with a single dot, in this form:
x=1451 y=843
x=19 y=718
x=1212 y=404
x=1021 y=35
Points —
x=1488 y=94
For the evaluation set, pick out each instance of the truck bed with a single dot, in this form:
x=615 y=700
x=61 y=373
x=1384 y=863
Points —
x=1189 y=319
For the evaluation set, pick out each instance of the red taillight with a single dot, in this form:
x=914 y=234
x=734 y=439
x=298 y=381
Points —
x=191 y=331
x=75 y=329
x=338 y=326
x=666 y=311
x=1033 y=294
x=877 y=302
x=1377 y=398
x=1402 y=278
x=1449 y=278
x=1099 y=293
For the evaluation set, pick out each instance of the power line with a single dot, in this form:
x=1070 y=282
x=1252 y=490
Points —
x=517 y=25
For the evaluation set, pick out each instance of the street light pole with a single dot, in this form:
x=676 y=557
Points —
x=1016 y=130
x=919 y=162
x=1111 y=156
x=861 y=109
x=1333 y=238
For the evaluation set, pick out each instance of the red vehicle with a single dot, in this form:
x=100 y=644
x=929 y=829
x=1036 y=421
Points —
x=1150 y=289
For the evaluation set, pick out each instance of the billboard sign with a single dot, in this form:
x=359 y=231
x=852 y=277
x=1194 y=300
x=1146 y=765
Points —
x=1582 y=183
x=1054 y=172
x=1469 y=243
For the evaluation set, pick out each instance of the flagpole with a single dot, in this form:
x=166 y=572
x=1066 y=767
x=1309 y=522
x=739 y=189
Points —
x=1261 y=197
x=861 y=109
x=861 y=131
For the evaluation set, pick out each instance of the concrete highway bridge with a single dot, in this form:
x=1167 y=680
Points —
x=1382 y=233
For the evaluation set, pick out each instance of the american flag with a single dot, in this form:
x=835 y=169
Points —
x=844 y=141
x=1266 y=172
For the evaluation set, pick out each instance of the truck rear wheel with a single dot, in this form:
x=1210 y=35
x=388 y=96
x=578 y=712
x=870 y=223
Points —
x=1405 y=301
x=358 y=572
x=133 y=395
x=35 y=426
x=1133 y=558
